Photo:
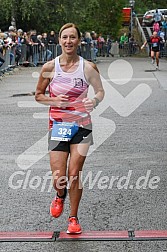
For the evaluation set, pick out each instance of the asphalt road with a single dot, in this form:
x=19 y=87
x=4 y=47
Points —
x=124 y=174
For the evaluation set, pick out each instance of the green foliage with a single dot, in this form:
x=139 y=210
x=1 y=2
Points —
x=142 y=6
x=110 y=13
x=44 y=15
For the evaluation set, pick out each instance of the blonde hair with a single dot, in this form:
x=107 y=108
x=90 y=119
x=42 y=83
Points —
x=70 y=25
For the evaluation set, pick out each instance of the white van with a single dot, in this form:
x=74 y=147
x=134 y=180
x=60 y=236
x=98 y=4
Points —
x=148 y=19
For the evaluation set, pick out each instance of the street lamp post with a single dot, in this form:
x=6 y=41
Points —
x=13 y=14
x=131 y=3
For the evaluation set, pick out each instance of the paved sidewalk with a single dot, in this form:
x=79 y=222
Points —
x=126 y=166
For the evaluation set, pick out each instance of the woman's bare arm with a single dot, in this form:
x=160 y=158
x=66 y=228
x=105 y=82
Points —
x=93 y=77
x=45 y=78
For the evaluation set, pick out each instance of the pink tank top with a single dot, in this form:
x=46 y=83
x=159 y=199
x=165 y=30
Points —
x=75 y=86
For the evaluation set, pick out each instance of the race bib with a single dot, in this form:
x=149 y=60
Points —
x=154 y=45
x=64 y=131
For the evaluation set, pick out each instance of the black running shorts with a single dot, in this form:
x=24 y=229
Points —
x=155 y=49
x=84 y=135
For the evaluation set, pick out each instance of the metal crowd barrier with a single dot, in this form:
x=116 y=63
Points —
x=163 y=52
x=128 y=49
x=114 y=51
x=8 y=57
x=37 y=54
x=34 y=55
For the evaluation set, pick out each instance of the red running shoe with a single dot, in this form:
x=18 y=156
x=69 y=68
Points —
x=57 y=205
x=73 y=226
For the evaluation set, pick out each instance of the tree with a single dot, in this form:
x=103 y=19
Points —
x=110 y=15
x=44 y=15
x=142 y=6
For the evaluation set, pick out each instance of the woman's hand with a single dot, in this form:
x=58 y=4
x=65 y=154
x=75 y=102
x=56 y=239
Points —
x=61 y=101
x=89 y=104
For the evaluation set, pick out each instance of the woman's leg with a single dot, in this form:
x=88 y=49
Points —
x=153 y=56
x=157 y=58
x=58 y=163
x=49 y=54
x=78 y=154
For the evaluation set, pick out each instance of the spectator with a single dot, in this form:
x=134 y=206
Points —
x=28 y=43
x=81 y=47
x=88 y=45
x=47 y=53
x=109 y=44
x=36 y=47
x=9 y=43
x=123 y=40
x=161 y=34
x=19 y=40
x=164 y=25
x=1 y=49
x=131 y=45
x=52 y=41
x=101 y=42
x=1 y=61
x=94 y=42
x=52 y=38
x=158 y=17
